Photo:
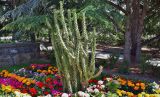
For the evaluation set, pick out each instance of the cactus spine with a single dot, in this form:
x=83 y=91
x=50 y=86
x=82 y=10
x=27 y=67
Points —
x=71 y=50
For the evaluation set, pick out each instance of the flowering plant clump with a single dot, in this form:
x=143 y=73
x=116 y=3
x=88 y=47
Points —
x=29 y=80
x=43 y=80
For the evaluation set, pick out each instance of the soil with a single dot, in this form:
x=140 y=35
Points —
x=134 y=75
x=135 y=72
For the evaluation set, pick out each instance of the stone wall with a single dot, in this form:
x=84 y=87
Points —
x=18 y=53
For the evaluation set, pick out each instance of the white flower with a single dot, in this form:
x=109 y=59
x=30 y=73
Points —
x=81 y=94
x=19 y=94
x=156 y=86
x=100 y=82
x=49 y=95
x=90 y=90
x=96 y=90
x=103 y=95
x=102 y=86
x=108 y=79
x=94 y=86
x=86 y=95
x=64 y=95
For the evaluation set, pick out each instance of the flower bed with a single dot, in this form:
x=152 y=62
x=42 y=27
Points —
x=43 y=80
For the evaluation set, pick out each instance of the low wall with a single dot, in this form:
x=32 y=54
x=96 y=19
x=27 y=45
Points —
x=18 y=53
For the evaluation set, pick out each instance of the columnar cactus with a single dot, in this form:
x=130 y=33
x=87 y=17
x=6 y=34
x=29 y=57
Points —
x=71 y=47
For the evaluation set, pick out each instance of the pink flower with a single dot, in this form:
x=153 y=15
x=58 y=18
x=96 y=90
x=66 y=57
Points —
x=55 y=82
x=65 y=95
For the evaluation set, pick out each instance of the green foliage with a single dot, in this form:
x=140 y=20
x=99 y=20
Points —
x=110 y=94
x=5 y=94
x=124 y=68
x=52 y=57
x=144 y=64
x=110 y=38
x=34 y=23
x=31 y=16
x=6 y=41
x=155 y=71
x=113 y=60
x=113 y=85
x=110 y=62
x=30 y=8
x=14 y=67
x=99 y=94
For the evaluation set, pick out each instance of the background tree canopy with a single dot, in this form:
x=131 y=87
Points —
x=110 y=17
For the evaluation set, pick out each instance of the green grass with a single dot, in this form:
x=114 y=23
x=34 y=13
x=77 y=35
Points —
x=12 y=68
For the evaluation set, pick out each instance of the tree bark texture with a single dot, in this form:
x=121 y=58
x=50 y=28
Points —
x=134 y=29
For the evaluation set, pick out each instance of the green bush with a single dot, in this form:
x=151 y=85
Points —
x=113 y=85
x=155 y=71
x=113 y=60
x=110 y=62
x=52 y=57
x=124 y=68
x=144 y=65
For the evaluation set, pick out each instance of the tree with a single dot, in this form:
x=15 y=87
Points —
x=124 y=17
x=136 y=13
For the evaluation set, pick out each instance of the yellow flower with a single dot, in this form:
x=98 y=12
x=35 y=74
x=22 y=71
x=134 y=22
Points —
x=146 y=95
x=123 y=92
x=8 y=89
x=140 y=95
x=157 y=95
x=158 y=91
x=3 y=87
x=119 y=92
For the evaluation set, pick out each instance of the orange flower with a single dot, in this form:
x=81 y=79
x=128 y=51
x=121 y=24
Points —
x=38 y=70
x=24 y=81
x=143 y=88
x=130 y=94
x=137 y=84
x=123 y=82
x=49 y=71
x=142 y=84
x=28 y=83
x=33 y=81
x=130 y=84
x=136 y=88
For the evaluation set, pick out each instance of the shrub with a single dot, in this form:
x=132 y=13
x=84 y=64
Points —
x=124 y=68
x=144 y=64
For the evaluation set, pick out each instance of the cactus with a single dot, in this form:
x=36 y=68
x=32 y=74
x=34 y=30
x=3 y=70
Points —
x=71 y=47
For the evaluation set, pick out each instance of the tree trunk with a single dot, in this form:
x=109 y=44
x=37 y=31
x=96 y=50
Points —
x=140 y=30
x=134 y=28
x=127 y=35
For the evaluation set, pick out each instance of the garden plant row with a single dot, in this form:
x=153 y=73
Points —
x=43 y=80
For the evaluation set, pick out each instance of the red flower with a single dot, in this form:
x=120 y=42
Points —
x=92 y=81
x=60 y=89
x=40 y=84
x=24 y=91
x=46 y=93
x=104 y=78
x=48 y=79
x=33 y=91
